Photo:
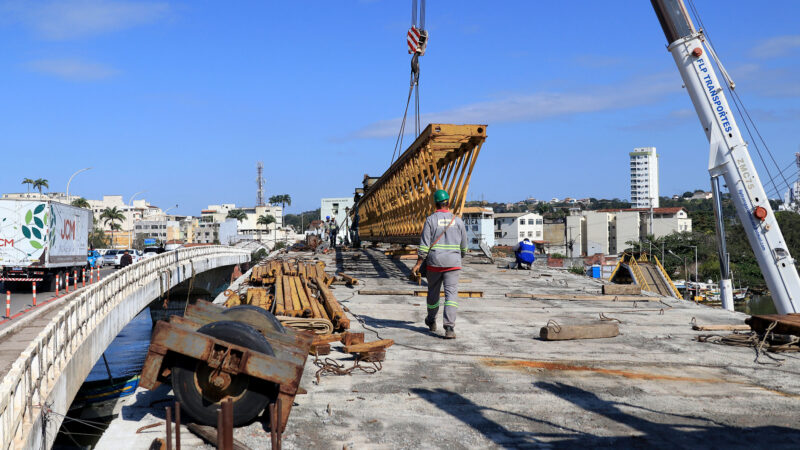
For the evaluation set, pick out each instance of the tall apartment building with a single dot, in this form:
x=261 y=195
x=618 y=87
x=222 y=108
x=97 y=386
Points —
x=644 y=177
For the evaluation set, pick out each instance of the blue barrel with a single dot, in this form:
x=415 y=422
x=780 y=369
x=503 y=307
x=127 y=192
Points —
x=595 y=271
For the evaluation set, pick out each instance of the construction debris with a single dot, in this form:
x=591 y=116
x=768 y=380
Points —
x=555 y=332
x=622 y=289
x=298 y=293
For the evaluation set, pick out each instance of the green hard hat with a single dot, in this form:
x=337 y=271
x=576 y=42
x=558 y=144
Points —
x=440 y=196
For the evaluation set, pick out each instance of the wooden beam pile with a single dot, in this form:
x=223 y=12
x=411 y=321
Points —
x=294 y=288
x=442 y=157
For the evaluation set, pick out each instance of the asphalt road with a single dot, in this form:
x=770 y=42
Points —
x=22 y=298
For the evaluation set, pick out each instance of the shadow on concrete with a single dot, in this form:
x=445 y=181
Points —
x=474 y=416
x=379 y=324
x=676 y=430
x=671 y=431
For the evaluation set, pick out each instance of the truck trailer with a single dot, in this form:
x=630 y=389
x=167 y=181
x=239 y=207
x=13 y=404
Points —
x=40 y=240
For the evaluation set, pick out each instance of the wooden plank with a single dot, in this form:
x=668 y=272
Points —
x=369 y=346
x=462 y=294
x=571 y=332
x=721 y=327
x=607 y=298
x=622 y=289
x=384 y=292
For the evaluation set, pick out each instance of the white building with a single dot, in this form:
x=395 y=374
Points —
x=510 y=228
x=224 y=233
x=160 y=230
x=249 y=226
x=480 y=226
x=337 y=209
x=133 y=212
x=644 y=177
x=609 y=231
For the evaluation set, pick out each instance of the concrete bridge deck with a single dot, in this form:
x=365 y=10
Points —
x=499 y=386
x=46 y=357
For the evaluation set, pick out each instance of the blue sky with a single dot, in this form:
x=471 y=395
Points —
x=182 y=98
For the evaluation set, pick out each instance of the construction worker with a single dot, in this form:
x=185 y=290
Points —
x=524 y=253
x=443 y=244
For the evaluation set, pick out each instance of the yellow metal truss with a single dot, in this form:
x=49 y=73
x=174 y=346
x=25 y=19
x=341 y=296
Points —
x=442 y=157
x=667 y=277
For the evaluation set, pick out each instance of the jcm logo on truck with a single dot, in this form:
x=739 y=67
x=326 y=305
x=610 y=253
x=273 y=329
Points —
x=6 y=242
x=68 y=230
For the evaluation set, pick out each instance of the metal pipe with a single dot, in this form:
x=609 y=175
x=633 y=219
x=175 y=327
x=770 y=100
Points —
x=169 y=428
x=725 y=286
x=177 y=425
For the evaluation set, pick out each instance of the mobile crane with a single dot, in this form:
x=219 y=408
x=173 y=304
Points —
x=729 y=159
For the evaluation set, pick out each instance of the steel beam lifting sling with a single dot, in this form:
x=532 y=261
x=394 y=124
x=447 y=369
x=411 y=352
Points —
x=442 y=157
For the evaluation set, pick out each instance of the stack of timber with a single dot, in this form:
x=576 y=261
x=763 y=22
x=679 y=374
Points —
x=297 y=293
x=393 y=209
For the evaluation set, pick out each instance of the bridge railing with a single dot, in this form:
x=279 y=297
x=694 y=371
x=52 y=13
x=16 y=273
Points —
x=32 y=376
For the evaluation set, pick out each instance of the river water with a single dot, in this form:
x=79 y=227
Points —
x=757 y=304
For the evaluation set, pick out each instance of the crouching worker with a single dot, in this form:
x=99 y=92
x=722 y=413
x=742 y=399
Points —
x=443 y=243
x=524 y=253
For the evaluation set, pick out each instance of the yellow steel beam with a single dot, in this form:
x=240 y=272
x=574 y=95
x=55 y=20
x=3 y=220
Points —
x=442 y=157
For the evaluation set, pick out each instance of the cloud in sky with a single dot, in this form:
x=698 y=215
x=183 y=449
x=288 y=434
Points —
x=776 y=47
x=70 y=19
x=72 y=69
x=536 y=106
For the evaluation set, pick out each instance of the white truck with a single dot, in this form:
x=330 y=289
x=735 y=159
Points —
x=41 y=239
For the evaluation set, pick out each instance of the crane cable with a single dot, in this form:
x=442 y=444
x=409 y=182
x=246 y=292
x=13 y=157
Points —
x=417 y=40
x=413 y=89
x=747 y=120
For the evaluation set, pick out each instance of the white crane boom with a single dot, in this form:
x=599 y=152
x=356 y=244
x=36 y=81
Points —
x=729 y=157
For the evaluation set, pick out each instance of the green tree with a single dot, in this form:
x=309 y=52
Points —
x=265 y=220
x=237 y=214
x=29 y=182
x=40 y=183
x=81 y=203
x=283 y=199
x=112 y=215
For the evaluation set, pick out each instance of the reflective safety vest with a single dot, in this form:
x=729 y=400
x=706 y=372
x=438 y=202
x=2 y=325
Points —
x=525 y=252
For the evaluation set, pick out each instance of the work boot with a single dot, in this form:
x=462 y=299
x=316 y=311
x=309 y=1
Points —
x=449 y=333
x=431 y=325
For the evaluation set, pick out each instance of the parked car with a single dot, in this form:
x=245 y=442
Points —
x=94 y=259
x=110 y=257
x=149 y=252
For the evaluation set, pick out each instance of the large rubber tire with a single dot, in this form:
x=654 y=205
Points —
x=262 y=321
x=249 y=395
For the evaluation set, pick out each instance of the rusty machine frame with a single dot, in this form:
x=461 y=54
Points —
x=179 y=338
x=394 y=208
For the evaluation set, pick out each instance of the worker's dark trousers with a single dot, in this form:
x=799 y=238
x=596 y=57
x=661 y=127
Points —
x=450 y=281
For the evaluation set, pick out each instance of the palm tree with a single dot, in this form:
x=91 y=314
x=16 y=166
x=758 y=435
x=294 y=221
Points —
x=112 y=215
x=265 y=220
x=40 y=183
x=283 y=199
x=237 y=214
x=29 y=182
x=81 y=202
